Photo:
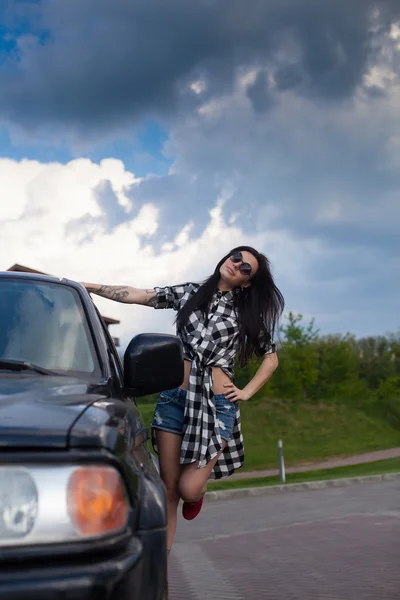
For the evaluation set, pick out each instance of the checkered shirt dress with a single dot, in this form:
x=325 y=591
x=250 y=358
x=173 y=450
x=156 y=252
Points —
x=207 y=342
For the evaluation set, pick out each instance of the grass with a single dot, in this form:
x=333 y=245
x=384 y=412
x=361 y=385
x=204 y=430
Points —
x=310 y=432
x=147 y=412
x=391 y=465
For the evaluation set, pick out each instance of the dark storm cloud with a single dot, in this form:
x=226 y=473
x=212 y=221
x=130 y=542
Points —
x=319 y=173
x=101 y=64
x=260 y=93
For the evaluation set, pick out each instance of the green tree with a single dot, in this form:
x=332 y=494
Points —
x=338 y=373
x=378 y=360
x=332 y=367
x=298 y=359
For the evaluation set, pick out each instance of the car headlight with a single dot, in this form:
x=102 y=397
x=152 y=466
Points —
x=58 y=504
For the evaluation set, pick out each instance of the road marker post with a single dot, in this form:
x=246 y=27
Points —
x=282 y=474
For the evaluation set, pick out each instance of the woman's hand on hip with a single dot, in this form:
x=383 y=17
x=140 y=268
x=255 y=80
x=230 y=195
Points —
x=233 y=394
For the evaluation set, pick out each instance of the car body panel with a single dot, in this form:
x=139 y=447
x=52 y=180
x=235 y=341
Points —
x=38 y=411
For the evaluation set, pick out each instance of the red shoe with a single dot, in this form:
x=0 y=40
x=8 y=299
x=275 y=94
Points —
x=190 y=510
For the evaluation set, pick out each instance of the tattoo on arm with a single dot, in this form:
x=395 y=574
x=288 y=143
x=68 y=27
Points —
x=152 y=299
x=113 y=292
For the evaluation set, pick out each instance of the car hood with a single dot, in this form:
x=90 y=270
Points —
x=38 y=411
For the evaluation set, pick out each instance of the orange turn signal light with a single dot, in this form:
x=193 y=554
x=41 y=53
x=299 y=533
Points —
x=97 y=501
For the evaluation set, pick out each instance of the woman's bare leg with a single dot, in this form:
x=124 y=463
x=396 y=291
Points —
x=169 y=446
x=193 y=481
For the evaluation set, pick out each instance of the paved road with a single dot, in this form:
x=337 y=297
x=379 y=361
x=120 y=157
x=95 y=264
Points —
x=330 y=544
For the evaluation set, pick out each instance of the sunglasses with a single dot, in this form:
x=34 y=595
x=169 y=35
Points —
x=245 y=268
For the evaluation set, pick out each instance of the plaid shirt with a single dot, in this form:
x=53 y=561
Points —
x=207 y=343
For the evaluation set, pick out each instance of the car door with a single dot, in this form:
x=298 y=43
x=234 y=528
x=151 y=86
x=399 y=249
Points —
x=135 y=424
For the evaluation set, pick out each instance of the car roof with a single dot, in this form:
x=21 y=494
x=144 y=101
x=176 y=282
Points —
x=36 y=277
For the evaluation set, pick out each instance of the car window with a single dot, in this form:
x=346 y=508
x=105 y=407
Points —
x=45 y=323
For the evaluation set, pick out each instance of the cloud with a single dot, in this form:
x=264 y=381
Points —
x=112 y=212
x=284 y=132
x=90 y=64
x=37 y=207
x=321 y=177
x=40 y=201
x=260 y=94
x=318 y=170
x=343 y=285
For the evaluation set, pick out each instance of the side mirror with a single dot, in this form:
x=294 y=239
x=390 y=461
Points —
x=153 y=362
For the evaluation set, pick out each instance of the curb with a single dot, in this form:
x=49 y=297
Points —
x=271 y=490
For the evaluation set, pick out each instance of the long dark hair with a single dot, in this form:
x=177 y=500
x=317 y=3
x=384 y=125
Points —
x=258 y=306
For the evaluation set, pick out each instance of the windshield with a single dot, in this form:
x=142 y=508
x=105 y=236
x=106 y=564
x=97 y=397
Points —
x=45 y=324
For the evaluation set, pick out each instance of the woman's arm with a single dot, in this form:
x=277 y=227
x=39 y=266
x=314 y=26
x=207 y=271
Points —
x=121 y=293
x=264 y=372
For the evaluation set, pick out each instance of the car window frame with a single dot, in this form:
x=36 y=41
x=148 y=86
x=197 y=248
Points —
x=111 y=349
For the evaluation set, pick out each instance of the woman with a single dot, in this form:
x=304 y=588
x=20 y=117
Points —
x=196 y=428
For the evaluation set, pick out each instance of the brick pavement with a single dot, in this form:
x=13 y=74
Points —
x=330 y=463
x=332 y=544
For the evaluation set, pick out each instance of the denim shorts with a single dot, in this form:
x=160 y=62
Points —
x=170 y=410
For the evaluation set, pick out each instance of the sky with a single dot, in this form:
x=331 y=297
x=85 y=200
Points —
x=141 y=140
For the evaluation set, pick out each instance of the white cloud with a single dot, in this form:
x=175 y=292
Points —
x=198 y=87
x=379 y=77
x=183 y=236
x=395 y=33
x=39 y=200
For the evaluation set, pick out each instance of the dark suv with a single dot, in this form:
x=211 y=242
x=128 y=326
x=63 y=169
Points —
x=82 y=506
